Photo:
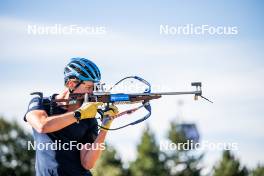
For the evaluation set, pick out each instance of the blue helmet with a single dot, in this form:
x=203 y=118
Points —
x=82 y=69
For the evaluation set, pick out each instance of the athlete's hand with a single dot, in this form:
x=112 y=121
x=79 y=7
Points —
x=108 y=117
x=87 y=110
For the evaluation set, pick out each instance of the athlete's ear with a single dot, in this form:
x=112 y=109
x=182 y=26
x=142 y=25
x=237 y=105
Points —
x=70 y=84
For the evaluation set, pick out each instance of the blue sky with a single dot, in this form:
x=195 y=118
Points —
x=230 y=67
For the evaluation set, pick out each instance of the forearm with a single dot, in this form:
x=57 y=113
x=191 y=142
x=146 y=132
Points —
x=40 y=121
x=89 y=155
x=57 y=122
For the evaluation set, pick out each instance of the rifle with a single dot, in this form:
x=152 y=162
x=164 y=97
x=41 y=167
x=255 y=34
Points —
x=122 y=98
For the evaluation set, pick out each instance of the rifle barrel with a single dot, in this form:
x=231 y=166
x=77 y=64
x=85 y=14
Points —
x=169 y=93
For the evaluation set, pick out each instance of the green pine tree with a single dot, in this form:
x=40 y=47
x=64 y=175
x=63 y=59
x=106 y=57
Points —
x=229 y=166
x=15 y=158
x=109 y=164
x=258 y=171
x=148 y=162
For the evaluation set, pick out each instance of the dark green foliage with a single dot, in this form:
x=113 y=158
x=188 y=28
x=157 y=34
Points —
x=109 y=164
x=148 y=162
x=15 y=158
x=258 y=171
x=229 y=166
